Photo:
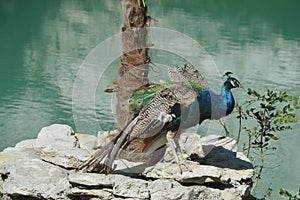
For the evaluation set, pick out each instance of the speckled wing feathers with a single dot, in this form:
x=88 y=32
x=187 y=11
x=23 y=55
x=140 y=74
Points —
x=149 y=115
x=187 y=74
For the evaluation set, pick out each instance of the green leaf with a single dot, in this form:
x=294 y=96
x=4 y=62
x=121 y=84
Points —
x=273 y=137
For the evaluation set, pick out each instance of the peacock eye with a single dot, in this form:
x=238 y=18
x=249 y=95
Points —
x=129 y=101
x=139 y=101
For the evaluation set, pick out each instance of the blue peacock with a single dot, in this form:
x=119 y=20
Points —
x=164 y=110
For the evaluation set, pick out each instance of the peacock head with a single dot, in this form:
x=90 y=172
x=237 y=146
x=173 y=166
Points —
x=231 y=82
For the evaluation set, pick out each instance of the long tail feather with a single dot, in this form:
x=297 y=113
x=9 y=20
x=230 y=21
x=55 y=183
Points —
x=118 y=144
x=109 y=152
x=93 y=163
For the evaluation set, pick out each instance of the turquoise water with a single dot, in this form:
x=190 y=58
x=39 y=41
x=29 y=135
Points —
x=44 y=43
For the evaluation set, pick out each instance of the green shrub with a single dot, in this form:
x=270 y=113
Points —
x=266 y=115
x=287 y=194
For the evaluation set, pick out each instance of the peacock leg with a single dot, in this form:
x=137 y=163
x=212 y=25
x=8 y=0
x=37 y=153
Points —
x=178 y=149
x=175 y=148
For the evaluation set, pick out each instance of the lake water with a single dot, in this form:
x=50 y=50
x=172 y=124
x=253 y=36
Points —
x=44 y=45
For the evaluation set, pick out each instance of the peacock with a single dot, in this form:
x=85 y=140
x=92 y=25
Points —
x=164 y=110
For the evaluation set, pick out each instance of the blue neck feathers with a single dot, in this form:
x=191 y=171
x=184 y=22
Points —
x=209 y=105
x=226 y=92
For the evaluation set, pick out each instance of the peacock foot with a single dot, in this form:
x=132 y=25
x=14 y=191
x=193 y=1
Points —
x=184 y=167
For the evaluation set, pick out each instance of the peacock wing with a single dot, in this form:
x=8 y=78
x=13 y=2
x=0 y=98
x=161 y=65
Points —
x=155 y=115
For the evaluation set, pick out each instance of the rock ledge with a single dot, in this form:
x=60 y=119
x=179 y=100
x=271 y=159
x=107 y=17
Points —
x=45 y=168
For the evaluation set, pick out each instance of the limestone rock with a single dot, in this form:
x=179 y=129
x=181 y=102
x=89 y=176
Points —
x=168 y=189
x=22 y=152
x=86 y=141
x=56 y=135
x=92 y=179
x=121 y=185
x=193 y=172
x=129 y=187
x=221 y=157
x=69 y=158
x=96 y=193
x=129 y=168
x=43 y=168
x=26 y=143
x=34 y=178
x=195 y=144
x=7 y=157
x=204 y=193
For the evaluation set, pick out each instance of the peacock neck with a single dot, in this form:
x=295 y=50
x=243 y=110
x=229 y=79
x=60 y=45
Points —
x=226 y=93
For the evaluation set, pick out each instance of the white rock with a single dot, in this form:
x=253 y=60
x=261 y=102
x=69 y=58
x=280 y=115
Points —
x=35 y=178
x=26 y=143
x=99 y=193
x=92 y=179
x=130 y=187
x=87 y=141
x=56 y=135
x=168 y=189
x=69 y=158
x=129 y=168
x=122 y=185
x=233 y=193
x=215 y=161
x=202 y=146
x=205 y=193
x=198 y=174
x=22 y=152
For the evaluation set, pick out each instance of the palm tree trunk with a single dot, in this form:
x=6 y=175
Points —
x=134 y=67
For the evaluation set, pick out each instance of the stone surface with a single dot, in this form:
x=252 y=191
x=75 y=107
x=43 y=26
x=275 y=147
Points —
x=45 y=168
x=56 y=135
x=127 y=167
x=205 y=193
x=168 y=189
x=26 y=143
x=194 y=144
x=7 y=157
x=96 y=193
x=92 y=179
x=34 y=178
x=195 y=173
x=86 y=141
x=214 y=159
x=69 y=158
x=121 y=185
x=131 y=187
x=23 y=152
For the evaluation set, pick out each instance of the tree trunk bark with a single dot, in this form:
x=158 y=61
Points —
x=134 y=67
